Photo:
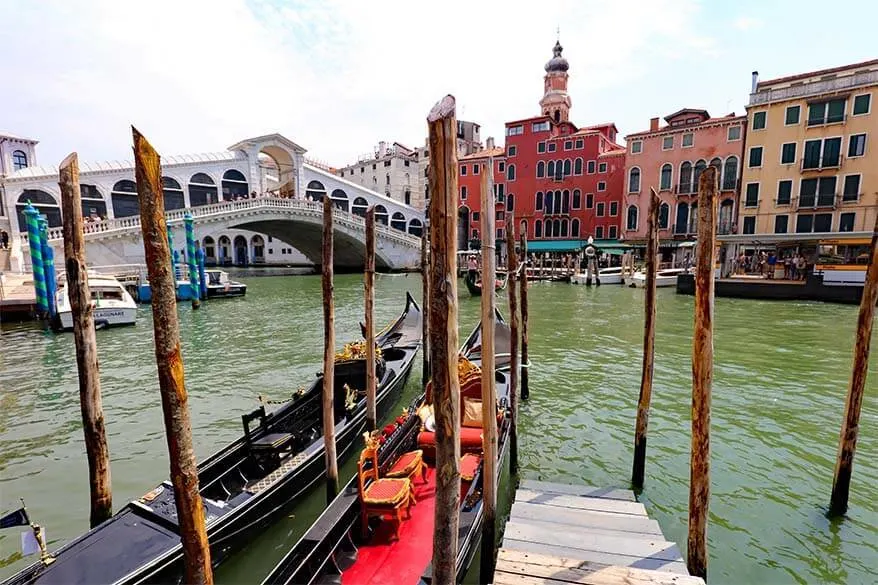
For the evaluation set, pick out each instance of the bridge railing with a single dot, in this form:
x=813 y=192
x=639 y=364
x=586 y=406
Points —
x=124 y=224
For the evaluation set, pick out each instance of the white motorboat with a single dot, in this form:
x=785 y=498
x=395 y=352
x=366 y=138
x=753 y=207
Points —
x=612 y=275
x=219 y=285
x=663 y=278
x=113 y=306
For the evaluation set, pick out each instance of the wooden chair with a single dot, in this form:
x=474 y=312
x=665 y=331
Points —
x=409 y=465
x=382 y=497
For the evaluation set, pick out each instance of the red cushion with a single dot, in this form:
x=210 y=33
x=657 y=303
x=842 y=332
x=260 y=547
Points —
x=469 y=463
x=386 y=491
x=470 y=439
x=406 y=463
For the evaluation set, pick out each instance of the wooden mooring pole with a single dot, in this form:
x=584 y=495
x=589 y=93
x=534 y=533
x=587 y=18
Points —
x=648 y=367
x=525 y=359
x=850 y=428
x=443 y=336
x=512 y=271
x=425 y=303
x=371 y=382
x=489 y=390
x=169 y=362
x=329 y=356
x=702 y=377
x=96 y=449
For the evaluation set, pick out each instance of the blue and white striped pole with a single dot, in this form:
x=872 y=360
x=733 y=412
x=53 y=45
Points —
x=48 y=266
x=35 y=243
x=194 y=287
x=202 y=275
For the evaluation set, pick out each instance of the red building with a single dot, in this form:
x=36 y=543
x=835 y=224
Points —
x=566 y=183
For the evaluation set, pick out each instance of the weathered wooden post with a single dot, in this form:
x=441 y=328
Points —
x=648 y=367
x=512 y=271
x=425 y=301
x=525 y=360
x=489 y=390
x=443 y=336
x=329 y=356
x=371 y=383
x=847 y=442
x=169 y=362
x=702 y=377
x=82 y=312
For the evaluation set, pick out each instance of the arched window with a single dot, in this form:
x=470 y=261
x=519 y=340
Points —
x=360 y=206
x=693 y=218
x=549 y=207
x=124 y=199
x=173 y=194
x=577 y=166
x=717 y=164
x=574 y=228
x=93 y=204
x=523 y=227
x=257 y=248
x=685 y=178
x=565 y=202
x=681 y=223
x=726 y=208
x=577 y=199
x=44 y=203
x=564 y=228
x=566 y=167
x=209 y=246
x=510 y=202
x=664 y=216
x=224 y=253
x=381 y=214
x=340 y=199
x=557 y=201
x=548 y=228
x=538 y=229
x=315 y=190
x=398 y=221
x=699 y=168
x=510 y=172
x=550 y=171
x=234 y=185
x=539 y=204
x=665 y=178
x=632 y=217
x=730 y=174
x=541 y=170
x=556 y=229
x=19 y=160
x=634 y=180
x=416 y=228
x=202 y=190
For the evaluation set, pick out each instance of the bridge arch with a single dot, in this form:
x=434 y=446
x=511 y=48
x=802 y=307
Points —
x=93 y=203
x=381 y=214
x=44 y=202
x=202 y=190
x=416 y=228
x=360 y=206
x=234 y=185
x=315 y=191
x=208 y=244
x=224 y=250
x=397 y=221
x=124 y=198
x=340 y=199
x=257 y=249
x=241 y=251
x=173 y=194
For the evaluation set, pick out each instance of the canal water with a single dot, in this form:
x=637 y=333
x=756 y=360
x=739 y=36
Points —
x=781 y=375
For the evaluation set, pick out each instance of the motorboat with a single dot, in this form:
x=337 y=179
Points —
x=113 y=305
x=663 y=278
x=612 y=275
x=219 y=285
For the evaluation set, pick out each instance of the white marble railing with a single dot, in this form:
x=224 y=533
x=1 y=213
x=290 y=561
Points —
x=229 y=209
x=814 y=88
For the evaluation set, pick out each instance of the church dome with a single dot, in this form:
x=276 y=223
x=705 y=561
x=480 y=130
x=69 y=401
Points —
x=557 y=62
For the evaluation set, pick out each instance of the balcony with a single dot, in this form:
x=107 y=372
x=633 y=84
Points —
x=826 y=120
x=684 y=189
x=725 y=227
x=814 y=163
x=816 y=88
x=731 y=184
x=817 y=201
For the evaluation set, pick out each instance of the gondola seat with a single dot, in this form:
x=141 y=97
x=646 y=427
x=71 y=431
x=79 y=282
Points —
x=382 y=497
x=409 y=465
x=270 y=446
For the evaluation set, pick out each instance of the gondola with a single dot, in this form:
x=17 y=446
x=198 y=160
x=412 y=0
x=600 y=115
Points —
x=337 y=548
x=474 y=285
x=245 y=486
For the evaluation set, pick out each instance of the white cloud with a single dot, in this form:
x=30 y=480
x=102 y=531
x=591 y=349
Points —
x=747 y=23
x=335 y=76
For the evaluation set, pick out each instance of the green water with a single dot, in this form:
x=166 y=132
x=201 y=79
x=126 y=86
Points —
x=781 y=375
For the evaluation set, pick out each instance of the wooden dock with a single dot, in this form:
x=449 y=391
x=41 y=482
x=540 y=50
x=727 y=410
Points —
x=559 y=534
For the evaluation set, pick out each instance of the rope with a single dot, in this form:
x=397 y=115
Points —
x=384 y=274
x=299 y=392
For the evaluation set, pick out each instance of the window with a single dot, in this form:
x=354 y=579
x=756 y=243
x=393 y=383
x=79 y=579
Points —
x=633 y=180
x=19 y=160
x=510 y=202
x=664 y=216
x=462 y=170
x=817 y=192
x=613 y=232
x=541 y=147
x=568 y=145
x=579 y=143
x=781 y=224
x=602 y=168
x=463 y=192
x=750 y=225
x=386 y=179
x=821 y=154
x=512 y=150
x=551 y=147
x=734 y=133
x=792 y=118
x=475 y=216
x=589 y=200
x=784 y=192
x=540 y=127
x=549 y=202
x=665 y=177
x=498 y=192
x=862 y=104
x=857 y=145
x=752 y=197
x=510 y=172
x=567 y=169
x=541 y=170
x=636 y=147
x=788 y=153
x=599 y=232
x=550 y=169
x=668 y=143
x=632 y=217
x=501 y=166
x=755 y=157
x=577 y=199
x=846 y=222
x=823 y=222
x=387 y=163
x=574 y=228
x=685 y=177
x=538 y=229
x=688 y=140
x=614 y=208
x=590 y=167
x=539 y=204
x=600 y=209
x=476 y=168
x=514 y=130
x=758 y=120
x=804 y=223
x=602 y=186
x=499 y=233
x=696 y=174
x=730 y=174
x=826 y=112
x=851 y=189
x=577 y=166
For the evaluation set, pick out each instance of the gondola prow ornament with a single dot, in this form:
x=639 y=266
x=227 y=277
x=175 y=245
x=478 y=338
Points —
x=33 y=541
x=591 y=261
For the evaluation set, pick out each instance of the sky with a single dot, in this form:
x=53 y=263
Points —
x=337 y=76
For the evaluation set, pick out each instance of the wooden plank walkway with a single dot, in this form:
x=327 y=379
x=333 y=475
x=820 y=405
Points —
x=559 y=534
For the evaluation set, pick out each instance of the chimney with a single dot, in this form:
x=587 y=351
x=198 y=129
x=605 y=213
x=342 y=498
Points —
x=754 y=82
x=489 y=142
x=382 y=149
x=653 y=124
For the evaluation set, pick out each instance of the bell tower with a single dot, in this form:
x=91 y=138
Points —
x=556 y=102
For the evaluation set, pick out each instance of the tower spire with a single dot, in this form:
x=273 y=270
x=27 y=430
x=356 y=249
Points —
x=555 y=102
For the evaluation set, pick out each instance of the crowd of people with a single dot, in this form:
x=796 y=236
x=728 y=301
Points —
x=795 y=265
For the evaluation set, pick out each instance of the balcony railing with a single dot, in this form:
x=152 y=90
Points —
x=725 y=227
x=827 y=119
x=814 y=163
x=818 y=200
x=815 y=88
x=731 y=184
x=684 y=189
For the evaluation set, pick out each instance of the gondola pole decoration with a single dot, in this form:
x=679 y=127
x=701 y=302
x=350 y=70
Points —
x=525 y=359
x=443 y=336
x=191 y=261
x=329 y=355
x=648 y=367
x=34 y=240
x=169 y=362
x=702 y=377
x=514 y=271
x=369 y=286
x=847 y=442
x=87 y=365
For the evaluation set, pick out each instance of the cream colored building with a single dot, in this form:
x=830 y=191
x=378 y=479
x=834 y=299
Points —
x=809 y=166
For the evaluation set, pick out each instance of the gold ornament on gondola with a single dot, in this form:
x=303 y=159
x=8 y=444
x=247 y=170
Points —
x=355 y=350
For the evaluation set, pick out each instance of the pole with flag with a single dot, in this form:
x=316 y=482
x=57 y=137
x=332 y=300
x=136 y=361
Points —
x=36 y=537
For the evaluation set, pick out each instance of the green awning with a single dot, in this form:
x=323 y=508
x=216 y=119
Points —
x=614 y=251
x=555 y=245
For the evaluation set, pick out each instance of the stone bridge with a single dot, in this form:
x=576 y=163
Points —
x=296 y=221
